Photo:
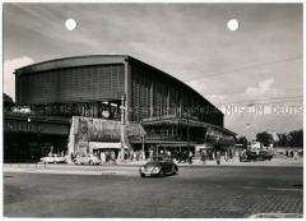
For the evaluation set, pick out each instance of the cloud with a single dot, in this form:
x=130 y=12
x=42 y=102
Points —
x=218 y=99
x=9 y=78
x=264 y=88
x=198 y=85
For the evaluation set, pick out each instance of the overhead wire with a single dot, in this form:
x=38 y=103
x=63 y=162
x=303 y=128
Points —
x=249 y=67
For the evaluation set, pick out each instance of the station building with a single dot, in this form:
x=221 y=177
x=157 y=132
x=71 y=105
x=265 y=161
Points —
x=89 y=103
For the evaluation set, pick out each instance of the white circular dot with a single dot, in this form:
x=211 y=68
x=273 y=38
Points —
x=233 y=24
x=70 y=24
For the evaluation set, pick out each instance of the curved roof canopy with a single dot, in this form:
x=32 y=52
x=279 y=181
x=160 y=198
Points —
x=90 y=60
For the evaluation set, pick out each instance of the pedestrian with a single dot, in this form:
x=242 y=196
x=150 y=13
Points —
x=291 y=153
x=102 y=157
x=190 y=157
x=226 y=156
x=151 y=153
x=125 y=155
x=132 y=155
x=169 y=154
x=143 y=155
x=295 y=155
x=108 y=156
x=203 y=156
x=218 y=157
x=137 y=155
x=231 y=155
x=113 y=156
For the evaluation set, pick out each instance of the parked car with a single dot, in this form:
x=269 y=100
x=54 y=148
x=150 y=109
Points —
x=87 y=160
x=254 y=156
x=265 y=155
x=50 y=159
x=53 y=159
x=159 y=167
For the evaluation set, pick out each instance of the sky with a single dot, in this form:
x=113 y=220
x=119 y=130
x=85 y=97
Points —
x=254 y=75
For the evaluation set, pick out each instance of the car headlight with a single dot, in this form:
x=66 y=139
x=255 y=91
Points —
x=141 y=169
x=156 y=170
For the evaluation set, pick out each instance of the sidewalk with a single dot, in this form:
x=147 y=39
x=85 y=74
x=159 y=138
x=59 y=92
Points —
x=276 y=161
x=130 y=168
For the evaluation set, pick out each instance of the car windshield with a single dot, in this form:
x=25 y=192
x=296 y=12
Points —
x=151 y=164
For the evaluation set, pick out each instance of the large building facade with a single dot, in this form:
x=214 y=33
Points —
x=117 y=88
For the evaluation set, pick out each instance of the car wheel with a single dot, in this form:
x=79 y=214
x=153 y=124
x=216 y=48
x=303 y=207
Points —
x=174 y=170
x=142 y=175
x=162 y=173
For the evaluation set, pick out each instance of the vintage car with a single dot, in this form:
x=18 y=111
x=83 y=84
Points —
x=256 y=156
x=265 y=155
x=158 y=167
x=87 y=160
x=53 y=159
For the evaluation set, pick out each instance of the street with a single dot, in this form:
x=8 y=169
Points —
x=199 y=192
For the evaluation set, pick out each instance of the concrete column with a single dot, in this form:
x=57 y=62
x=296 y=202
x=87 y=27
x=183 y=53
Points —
x=151 y=99
x=127 y=89
x=168 y=102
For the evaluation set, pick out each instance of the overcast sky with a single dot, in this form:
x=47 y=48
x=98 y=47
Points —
x=260 y=63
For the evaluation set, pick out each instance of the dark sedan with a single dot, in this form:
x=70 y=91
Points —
x=160 y=167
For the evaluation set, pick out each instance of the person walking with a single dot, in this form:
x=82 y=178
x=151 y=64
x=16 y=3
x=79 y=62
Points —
x=291 y=154
x=151 y=153
x=169 y=154
x=218 y=157
x=102 y=157
x=190 y=157
x=295 y=155
x=231 y=155
x=203 y=156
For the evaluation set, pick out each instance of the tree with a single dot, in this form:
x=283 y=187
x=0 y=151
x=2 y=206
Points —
x=265 y=138
x=8 y=102
x=282 y=140
x=243 y=140
x=295 y=138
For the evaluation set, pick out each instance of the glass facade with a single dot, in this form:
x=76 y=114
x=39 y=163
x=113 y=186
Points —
x=155 y=94
x=86 y=83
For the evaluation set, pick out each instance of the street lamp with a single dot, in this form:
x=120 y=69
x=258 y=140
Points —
x=122 y=128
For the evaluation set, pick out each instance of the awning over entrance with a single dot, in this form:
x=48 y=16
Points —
x=183 y=121
x=205 y=146
x=104 y=145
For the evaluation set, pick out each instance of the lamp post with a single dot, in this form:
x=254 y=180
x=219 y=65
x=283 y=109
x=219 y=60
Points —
x=38 y=137
x=122 y=126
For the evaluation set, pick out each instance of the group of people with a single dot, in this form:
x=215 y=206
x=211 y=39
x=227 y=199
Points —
x=112 y=156
x=216 y=155
x=186 y=156
x=108 y=156
x=294 y=154
x=179 y=156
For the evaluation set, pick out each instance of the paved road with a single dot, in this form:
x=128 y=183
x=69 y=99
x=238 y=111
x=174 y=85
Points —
x=200 y=192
